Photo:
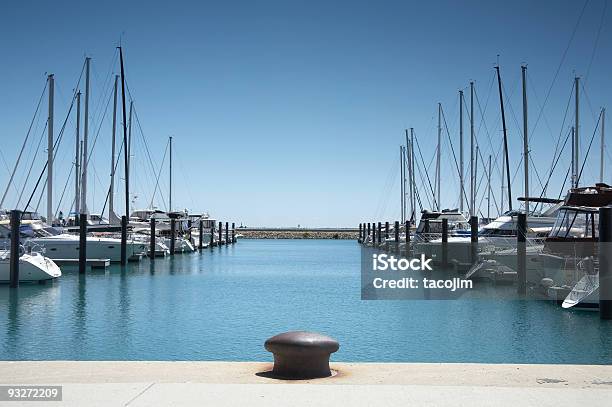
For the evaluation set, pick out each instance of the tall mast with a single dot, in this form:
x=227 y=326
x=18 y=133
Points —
x=489 y=190
x=50 y=152
x=170 y=194
x=573 y=158
x=525 y=141
x=125 y=141
x=472 y=193
x=402 y=179
x=77 y=160
x=130 y=133
x=461 y=182
x=475 y=175
x=506 y=158
x=111 y=194
x=85 y=135
x=603 y=145
x=411 y=173
x=576 y=133
x=438 y=156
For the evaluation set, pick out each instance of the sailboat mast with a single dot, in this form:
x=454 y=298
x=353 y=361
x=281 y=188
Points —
x=472 y=149
x=125 y=141
x=506 y=158
x=412 y=178
x=603 y=145
x=489 y=190
x=438 y=156
x=525 y=140
x=84 y=160
x=461 y=189
x=402 y=179
x=170 y=194
x=130 y=133
x=111 y=194
x=576 y=132
x=50 y=151
x=77 y=159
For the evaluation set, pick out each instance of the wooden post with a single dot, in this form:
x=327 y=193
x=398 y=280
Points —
x=83 y=242
x=226 y=232
x=220 y=233
x=152 y=240
x=386 y=230
x=379 y=233
x=605 y=263
x=368 y=233
x=212 y=236
x=201 y=235
x=124 y=222
x=521 y=253
x=397 y=238
x=14 y=266
x=444 y=242
x=373 y=234
x=360 y=233
x=233 y=232
x=172 y=236
x=473 y=238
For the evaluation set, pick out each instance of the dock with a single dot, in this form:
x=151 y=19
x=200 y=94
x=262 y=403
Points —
x=356 y=384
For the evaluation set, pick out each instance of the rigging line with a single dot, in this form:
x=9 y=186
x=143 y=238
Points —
x=588 y=101
x=486 y=173
x=603 y=14
x=387 y=195
x=115 y=165
x=426 y=172
x=589 y=148
x=144 y=140
x=420 y=172
x=24 y=144
x=555 y=162
x=535 y=94
x=493 y=150
x=64 y=191
x=562 y=60
x=90 y=153
x=564 y=182
x=386 y=188
x=159 y=174
x=454 y=156
x=25 y=184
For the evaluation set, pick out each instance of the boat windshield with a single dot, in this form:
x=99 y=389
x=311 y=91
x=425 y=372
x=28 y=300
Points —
x=575 y=224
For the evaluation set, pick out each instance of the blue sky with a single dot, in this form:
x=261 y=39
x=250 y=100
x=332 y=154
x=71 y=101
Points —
x=292 y=112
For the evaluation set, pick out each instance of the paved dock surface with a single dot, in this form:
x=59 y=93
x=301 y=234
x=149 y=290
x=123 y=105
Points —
x=354 y=384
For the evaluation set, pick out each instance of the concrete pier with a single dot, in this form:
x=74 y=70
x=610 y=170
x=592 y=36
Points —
x=355 y=384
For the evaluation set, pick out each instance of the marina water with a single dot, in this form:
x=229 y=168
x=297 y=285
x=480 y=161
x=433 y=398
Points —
x=222 y=304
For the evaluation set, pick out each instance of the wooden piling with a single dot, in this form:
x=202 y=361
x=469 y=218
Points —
x=201 y=235
x=605 y=263
x=373 y=234
x=379 y=233
x=368 y=233
x=386 y=230
x=212 y=236
x=226 y=232
x=83 y=243
x=124 y=223
x=233 y=232
x=14 y=265
x=473 y=239
x=152 y=240
x=360 y=233
x=172 y=236
x=444 y=242
x=220 y=234
x=521 y=253
x=397 y=238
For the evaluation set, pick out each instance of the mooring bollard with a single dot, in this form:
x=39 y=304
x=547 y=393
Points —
x=201 y=235
x=220 y=234
x=226 y=232
x=301 y=355
x=212 y=235
x=124 y=222
x=521 y=253
x=233 y=232
x=152 y=240
x=605 y=263
x=83 y=243
x=444 y=242
x=473 y=239
x=172 y=236
x=14 y=266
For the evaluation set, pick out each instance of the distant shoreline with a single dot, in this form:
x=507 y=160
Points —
x=299 y=233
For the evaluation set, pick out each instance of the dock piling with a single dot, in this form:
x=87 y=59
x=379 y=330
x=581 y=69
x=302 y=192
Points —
x=226 y=232
x=233 y=232
x=368 y=233
x=444 y=242
x=605 y=263
x=124 y=223
x=360 y=233
x=473 y=238
x=201 y=235
x=212 y=236
x=83 y=242
x=172 y=236
x=220 y=234
x=14 y=265
x=521 y=253
x=152 y=240
x=396 y=230
x=379 y=233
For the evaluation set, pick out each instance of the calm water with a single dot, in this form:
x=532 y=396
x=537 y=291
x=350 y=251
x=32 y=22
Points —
x=222 y=305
